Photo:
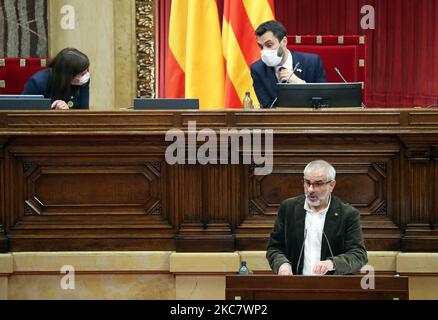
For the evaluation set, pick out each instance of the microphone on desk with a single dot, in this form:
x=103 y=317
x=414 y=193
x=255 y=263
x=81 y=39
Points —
x=340 y=75
x=301 y=251
x=273 y=102
x=330 y=248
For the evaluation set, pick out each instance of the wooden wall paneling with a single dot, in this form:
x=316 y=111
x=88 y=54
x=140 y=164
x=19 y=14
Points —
x=187 y=181
x=420 y=192
x=435 y=185
x=4 y=245
x=105 y=199
x=204 y=200
x=130 y=199
x=217 y=204
x=363 y=180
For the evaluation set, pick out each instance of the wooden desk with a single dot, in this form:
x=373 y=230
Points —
x=272 y=287
x=87 y=180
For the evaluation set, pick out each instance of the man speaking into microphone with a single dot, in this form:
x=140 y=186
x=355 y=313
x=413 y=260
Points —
x=317 y=233
x=278 y=64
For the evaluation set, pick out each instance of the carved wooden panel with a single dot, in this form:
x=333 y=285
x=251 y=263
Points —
x=4 y=246
x=421 y=190
x=362 y=185
x=92 y=180
x=89 y=189
x=106 y=198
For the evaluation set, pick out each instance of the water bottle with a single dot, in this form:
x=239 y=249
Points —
x=243 y=268
x=247 y=101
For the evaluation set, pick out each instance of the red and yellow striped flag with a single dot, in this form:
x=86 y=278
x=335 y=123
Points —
x=195 y=65
x=241 y=18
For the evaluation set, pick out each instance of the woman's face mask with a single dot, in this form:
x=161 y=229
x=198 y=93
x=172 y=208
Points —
x=80 y=80
x=272 y=57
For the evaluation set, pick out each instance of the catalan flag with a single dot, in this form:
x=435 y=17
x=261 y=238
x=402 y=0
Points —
x=240 y=20
x=195 y=64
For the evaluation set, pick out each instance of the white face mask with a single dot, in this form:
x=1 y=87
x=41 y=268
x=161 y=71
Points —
x=271 y=57
x=82 y=80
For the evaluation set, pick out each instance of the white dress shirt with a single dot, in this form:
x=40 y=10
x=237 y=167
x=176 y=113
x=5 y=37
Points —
x=313 y=227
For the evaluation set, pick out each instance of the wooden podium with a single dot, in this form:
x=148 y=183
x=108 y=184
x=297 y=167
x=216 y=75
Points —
x=273 y=287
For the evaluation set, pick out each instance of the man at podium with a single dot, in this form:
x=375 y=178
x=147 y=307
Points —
x=316 y=233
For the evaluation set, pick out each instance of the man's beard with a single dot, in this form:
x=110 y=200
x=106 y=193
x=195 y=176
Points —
x=317 y=202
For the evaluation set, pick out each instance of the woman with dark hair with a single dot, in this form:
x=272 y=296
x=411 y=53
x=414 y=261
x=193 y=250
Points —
x=66 y=81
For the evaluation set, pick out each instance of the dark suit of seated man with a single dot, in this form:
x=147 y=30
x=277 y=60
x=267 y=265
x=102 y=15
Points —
x=317 y=234
x=277 y=63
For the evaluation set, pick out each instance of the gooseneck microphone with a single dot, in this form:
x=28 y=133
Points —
x=301 y=251
x=340 y=75
x=273 y=102
x=330 y=248
x=343 y=79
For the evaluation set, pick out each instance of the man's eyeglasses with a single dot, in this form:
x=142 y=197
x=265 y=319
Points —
x=315 y=185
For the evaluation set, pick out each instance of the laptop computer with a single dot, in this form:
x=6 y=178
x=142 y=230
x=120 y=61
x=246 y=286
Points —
x=24 y=102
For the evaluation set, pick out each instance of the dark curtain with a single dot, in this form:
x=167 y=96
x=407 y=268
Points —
x=402 y=52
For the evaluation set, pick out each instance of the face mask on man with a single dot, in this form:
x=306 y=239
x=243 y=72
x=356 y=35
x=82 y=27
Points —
x=272 y=58
x=81 y=80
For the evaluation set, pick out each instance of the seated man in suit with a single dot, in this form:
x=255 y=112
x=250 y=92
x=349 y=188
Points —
x=277 y=63
x=316 y=233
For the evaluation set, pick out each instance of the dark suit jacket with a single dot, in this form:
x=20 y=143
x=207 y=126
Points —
x=342 y=228
x=264 y=79
x=39 y=83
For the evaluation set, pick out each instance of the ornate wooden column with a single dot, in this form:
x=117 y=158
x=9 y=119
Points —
x=203 y=202
x=435 y=184
x=4 y=246
x=421 y=181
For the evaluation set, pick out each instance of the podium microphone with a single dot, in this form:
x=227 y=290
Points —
x=340 y=75
x=273 y=102
x=330 y=248
x=301 y=251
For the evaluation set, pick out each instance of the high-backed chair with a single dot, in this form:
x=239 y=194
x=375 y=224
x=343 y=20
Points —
x=347 y=53
x=14 y=72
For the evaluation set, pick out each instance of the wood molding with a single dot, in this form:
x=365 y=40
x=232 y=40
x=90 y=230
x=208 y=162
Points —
x=87 y=180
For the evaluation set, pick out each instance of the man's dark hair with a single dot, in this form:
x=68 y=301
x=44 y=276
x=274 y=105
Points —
x=274 y=26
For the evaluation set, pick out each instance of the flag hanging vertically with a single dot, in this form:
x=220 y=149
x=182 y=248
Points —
x=240 y=20
x=195 y=61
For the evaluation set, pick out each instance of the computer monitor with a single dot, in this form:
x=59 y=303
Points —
x=319 y=95
x=24 y=102
x=166 y=104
